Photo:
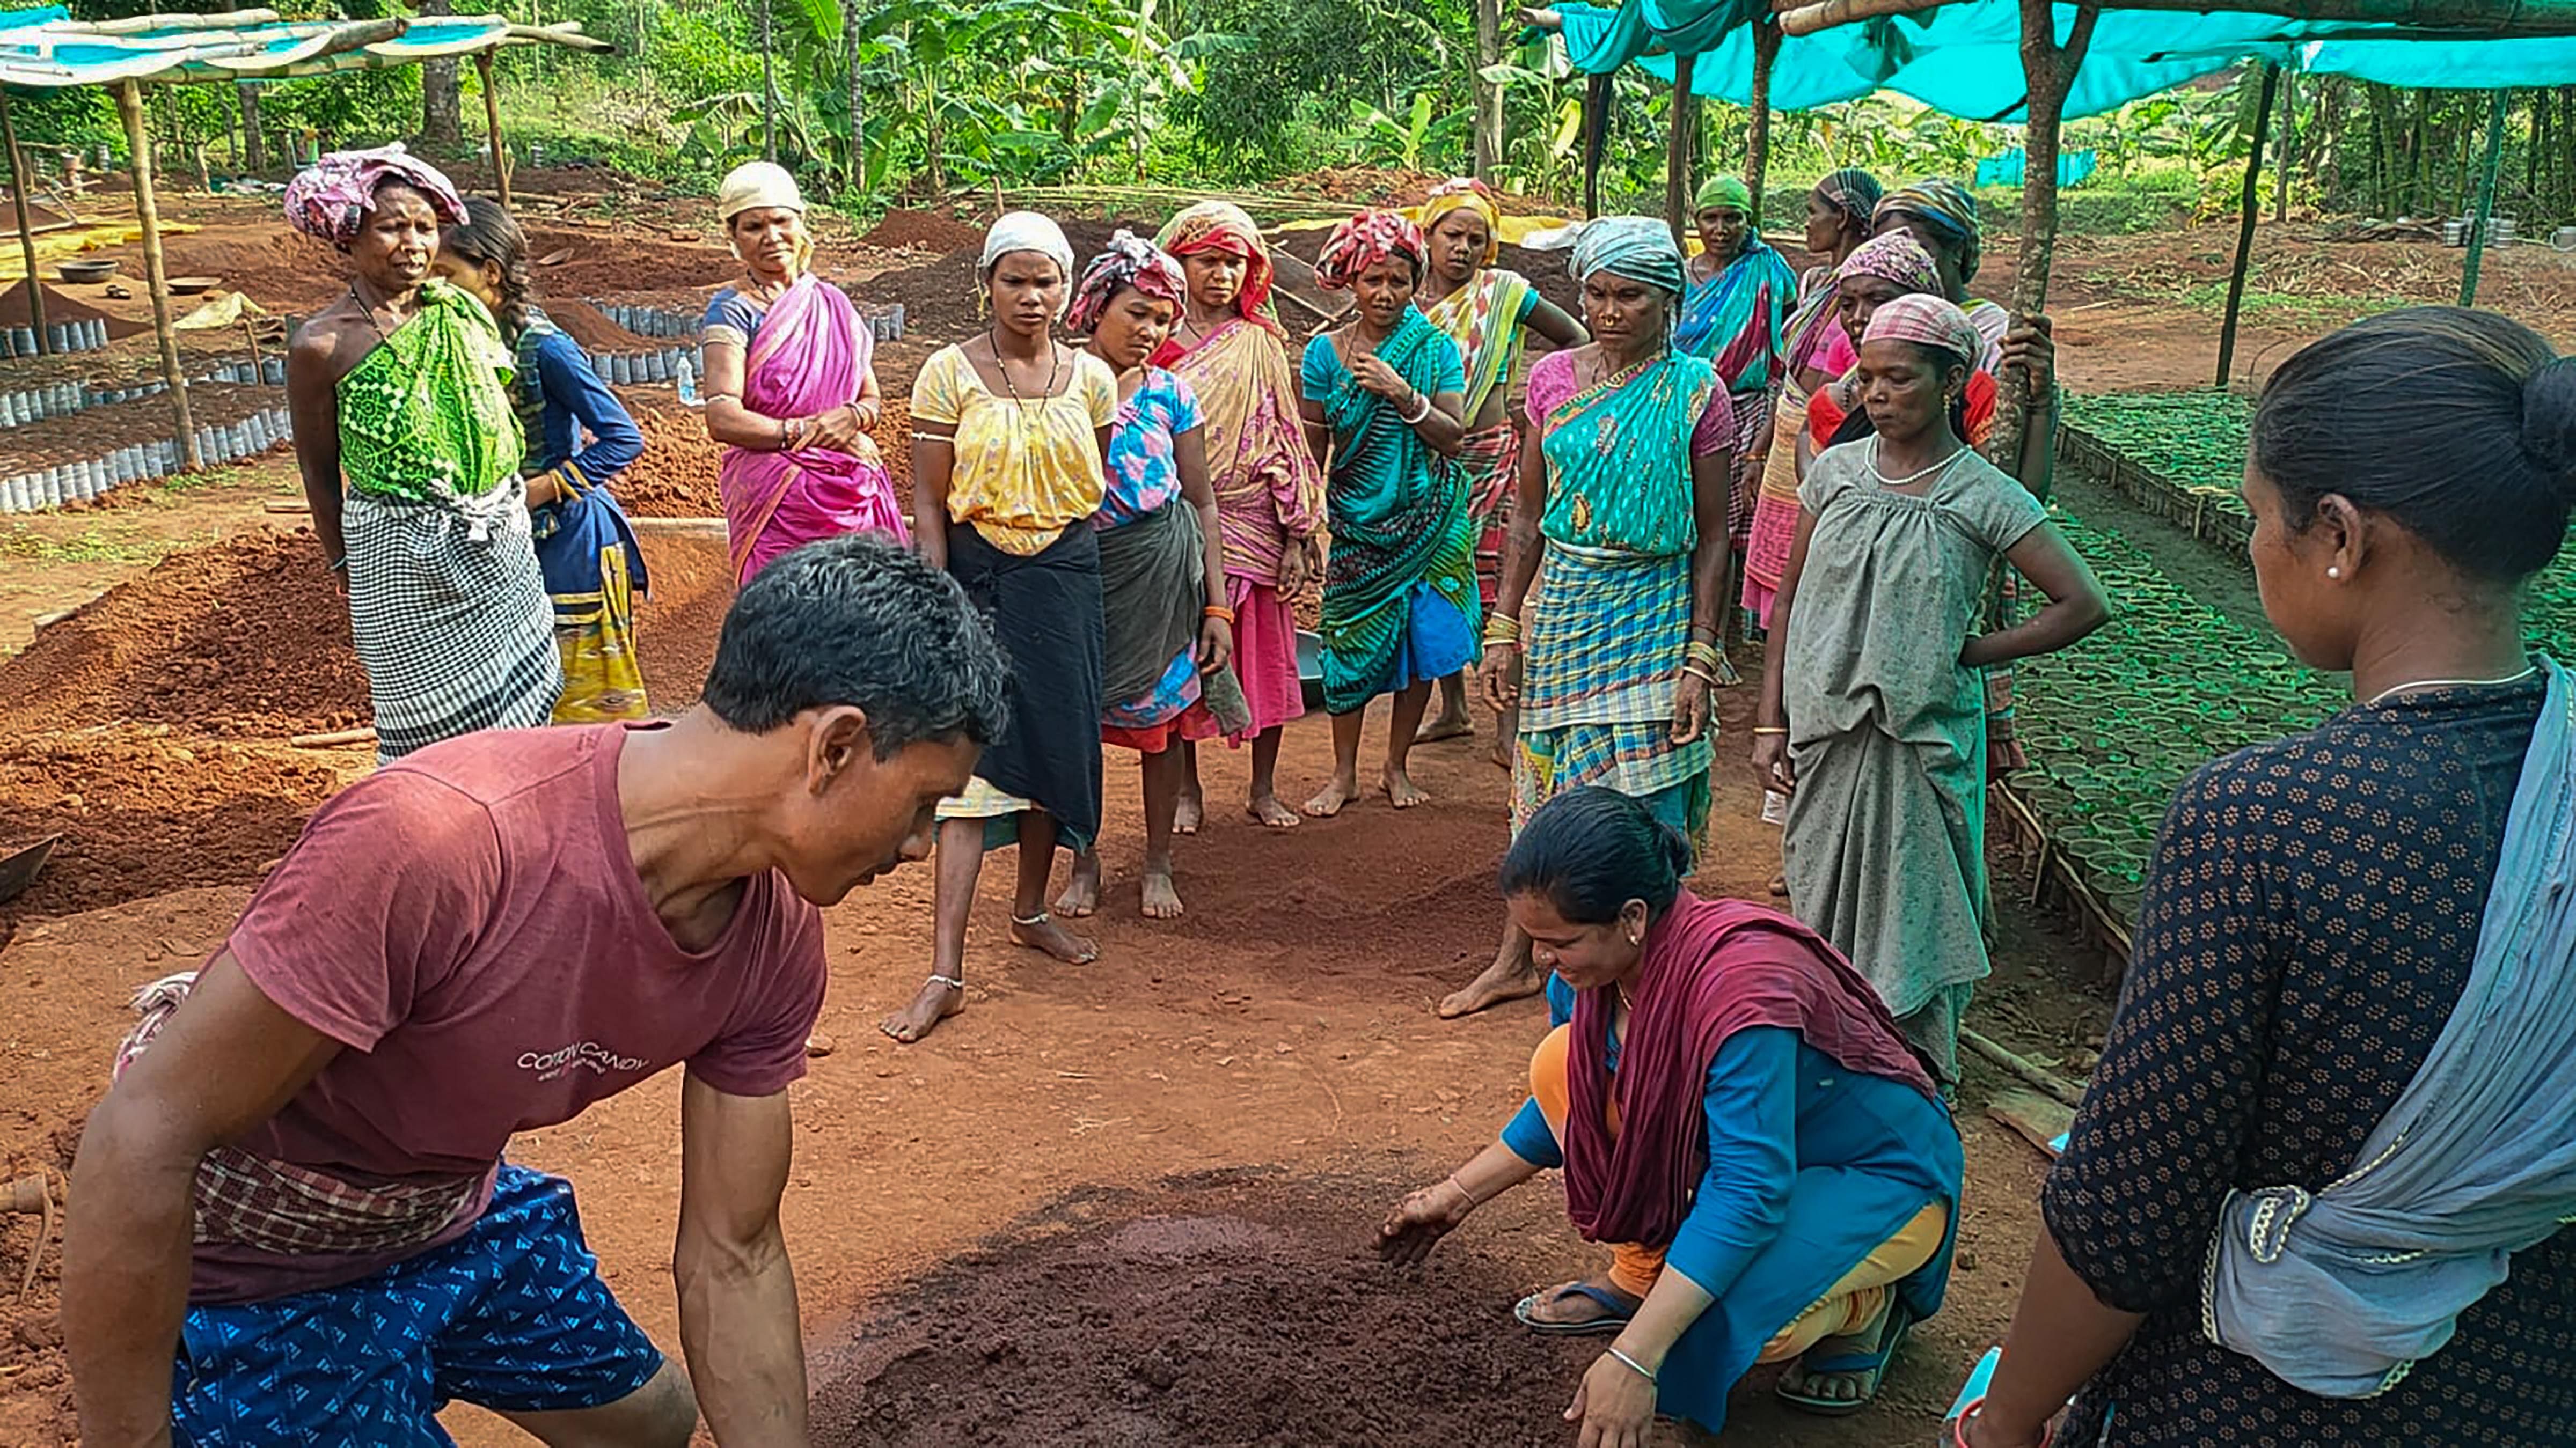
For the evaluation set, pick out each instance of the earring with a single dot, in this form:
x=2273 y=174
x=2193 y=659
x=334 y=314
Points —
x=2334 y=570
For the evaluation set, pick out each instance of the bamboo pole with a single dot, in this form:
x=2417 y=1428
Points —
x=2048 y=68
x=2250 y=200
x=1677 y=148
x=1489 y=93
x=2486 y=198
x=26 y=233
x=129 y=104
x=492 y=126
x=2489 y=19
x=2288 y=162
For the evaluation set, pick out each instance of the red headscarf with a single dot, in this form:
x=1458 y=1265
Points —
x=1712 y=968
x=1364 y=240
x=1226 y=227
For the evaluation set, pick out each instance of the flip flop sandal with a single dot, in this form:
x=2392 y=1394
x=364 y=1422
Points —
x=1618 y=1311
x=1873 y=1365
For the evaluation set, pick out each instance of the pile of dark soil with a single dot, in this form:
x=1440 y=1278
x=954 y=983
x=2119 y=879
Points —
x=605 y=264
x=1238 y=1308
x=942 y=299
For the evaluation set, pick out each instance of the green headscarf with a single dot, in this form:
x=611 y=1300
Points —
x=1724 y=191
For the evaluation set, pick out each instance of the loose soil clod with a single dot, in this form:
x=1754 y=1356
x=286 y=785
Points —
x=1239 y=1308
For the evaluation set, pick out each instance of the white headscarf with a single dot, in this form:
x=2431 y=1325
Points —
x=1028 y=231
x=756 y=185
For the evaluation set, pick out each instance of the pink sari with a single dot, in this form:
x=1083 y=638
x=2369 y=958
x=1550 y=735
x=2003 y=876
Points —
x=810 y=355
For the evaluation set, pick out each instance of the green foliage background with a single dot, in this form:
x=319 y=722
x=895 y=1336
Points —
x=1238 y=93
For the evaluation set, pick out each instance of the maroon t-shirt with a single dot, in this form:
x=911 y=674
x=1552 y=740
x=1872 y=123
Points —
x=468 y=923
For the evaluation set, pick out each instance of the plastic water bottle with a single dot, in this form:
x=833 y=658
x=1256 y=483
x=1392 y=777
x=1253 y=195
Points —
x=688 y=383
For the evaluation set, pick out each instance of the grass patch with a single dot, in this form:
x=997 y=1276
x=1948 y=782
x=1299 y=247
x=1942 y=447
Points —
x=91 y=545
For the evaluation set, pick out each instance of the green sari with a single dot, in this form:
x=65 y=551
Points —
x=1400 y=601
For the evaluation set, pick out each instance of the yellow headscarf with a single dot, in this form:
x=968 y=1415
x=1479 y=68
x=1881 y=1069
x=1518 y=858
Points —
x=1464 y=194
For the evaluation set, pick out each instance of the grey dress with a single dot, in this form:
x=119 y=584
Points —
x=1885 y=844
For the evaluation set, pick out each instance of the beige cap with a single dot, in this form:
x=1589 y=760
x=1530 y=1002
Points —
x=754 y=185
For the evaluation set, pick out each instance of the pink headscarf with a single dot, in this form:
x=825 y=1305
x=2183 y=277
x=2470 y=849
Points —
x=331 y=198
x=1930 y=321
x=1365 y=240
x=1896 y=257
x=1130 y=261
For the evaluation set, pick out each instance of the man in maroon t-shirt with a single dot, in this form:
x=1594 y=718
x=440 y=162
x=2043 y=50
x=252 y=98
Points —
x=480 y=939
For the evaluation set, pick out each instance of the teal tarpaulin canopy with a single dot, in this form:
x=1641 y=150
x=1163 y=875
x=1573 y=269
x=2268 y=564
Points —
x=1965 y=58
x=46 y=48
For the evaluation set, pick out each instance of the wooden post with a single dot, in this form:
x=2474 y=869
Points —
x=129 y=104
x=1677 y=149
x=2048 y=68
x=1757 y=129
x=2249 y=201
x=26 y=233
x=768 y=89
x=2289 y=159
x=2486 y=198
x=492 y=126
x=1489 y=94
x=254 y=154
x=1597 y=95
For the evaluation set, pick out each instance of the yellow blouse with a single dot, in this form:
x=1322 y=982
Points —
x=1026 y=468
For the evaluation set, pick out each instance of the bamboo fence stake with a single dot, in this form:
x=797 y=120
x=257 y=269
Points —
x=26 y=234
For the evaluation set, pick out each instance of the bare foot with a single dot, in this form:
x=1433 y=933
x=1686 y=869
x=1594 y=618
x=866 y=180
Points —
x=1400 y=789
x=1044 y=934
x=1081 y=893
x=937 y=1002
x=1501 y=755
x=1274 y=813
x=1187 y=812
x=1336 y=794
x=1504 y=980
x=1444 y=725
x=1162 y=900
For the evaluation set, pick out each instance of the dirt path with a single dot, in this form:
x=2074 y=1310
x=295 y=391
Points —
x=1279 y=1037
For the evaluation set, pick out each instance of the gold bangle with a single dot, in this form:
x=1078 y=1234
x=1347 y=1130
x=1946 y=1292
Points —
x=1770 y=729
x=1703 y=675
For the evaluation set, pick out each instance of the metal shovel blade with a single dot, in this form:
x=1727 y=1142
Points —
x=18 y=868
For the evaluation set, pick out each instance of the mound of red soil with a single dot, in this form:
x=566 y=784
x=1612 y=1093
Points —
x=1238 y=1309
x=245 y=639
x=1391 y=186
x=942 y=299
x=60 y=306
x=922 y=230
x=676 y=628
x=282 y=270
x=676 y=475
x=591 y=327
x=604 y=264
x=142 y=812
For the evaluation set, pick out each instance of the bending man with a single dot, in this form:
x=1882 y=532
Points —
x=484 y=938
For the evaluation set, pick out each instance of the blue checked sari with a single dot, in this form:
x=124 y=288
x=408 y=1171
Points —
x=1608 y=620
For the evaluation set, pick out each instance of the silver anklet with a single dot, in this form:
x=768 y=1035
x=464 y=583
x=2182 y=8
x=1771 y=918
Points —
x=1040 y=918
x=953 y=982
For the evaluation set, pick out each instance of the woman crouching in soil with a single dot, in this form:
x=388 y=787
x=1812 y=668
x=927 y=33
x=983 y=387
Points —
x=1009 y=433
x=1734 y=1110
x=410 y=455
x=585 y=547
x=1169 y=631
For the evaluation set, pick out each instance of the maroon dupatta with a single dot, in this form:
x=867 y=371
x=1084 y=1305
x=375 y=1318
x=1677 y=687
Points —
x=1712 y=968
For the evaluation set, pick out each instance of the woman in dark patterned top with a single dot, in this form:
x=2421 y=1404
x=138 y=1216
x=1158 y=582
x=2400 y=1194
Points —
x=2318 y=911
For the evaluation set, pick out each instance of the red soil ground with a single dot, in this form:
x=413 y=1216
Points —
x=1120 y=1203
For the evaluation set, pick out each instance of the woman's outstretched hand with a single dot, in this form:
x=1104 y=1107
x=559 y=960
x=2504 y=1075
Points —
x=1420 y=1221
x=1615 y=1404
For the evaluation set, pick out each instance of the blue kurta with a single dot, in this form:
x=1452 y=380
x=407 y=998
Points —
x=577 y=430
x=1810 y=1167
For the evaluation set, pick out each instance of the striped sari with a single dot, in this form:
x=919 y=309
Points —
x=1608 y=620
x=1484 y=318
